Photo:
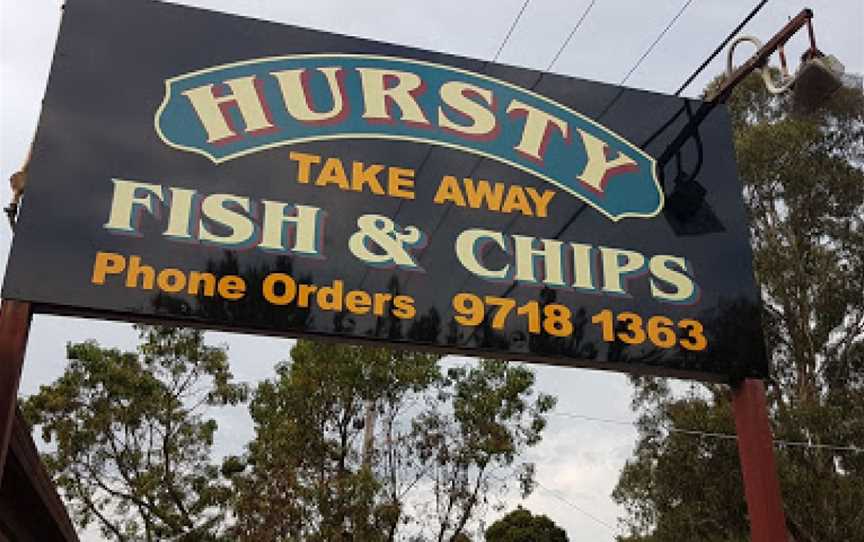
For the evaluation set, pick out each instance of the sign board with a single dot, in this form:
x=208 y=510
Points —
x=212 y=170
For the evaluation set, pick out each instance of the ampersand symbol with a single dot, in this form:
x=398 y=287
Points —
x=381 y=242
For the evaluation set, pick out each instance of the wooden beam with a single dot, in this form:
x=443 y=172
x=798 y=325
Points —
x=15 y=319
x=30 y=507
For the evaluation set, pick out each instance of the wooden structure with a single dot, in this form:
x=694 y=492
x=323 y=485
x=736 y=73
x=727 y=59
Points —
x=30 y=508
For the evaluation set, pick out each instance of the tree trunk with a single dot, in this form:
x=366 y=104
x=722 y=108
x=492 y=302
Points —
x=369 y=434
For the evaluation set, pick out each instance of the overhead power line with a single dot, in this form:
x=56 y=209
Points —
x=656 y=41
x=642 y=58
x=510 y=32
x=720 y=47
x=563 y=45
x=532 y=87
x=722 y=436
x=570 y=36
x=504 y=41
x=584 y=512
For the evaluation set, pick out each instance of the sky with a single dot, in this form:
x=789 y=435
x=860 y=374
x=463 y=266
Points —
x=579 y=460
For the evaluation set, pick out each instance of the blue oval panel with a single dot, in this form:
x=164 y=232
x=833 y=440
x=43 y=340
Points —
x=232 y=110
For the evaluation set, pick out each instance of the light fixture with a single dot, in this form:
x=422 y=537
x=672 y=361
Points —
x=817 y=77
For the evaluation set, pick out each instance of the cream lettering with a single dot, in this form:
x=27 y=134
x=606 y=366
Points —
x=224 y=220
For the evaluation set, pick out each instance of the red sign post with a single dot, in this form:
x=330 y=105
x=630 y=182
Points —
x=758 y=469
x=14 y=328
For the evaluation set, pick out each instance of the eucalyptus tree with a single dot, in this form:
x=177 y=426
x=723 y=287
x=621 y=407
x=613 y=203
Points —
x=375 y=444
x=131 y=443
x=803 y=175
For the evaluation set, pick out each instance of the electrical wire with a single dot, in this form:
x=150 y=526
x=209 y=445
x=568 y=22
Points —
x=573 y=31
x=722 y=436
x=504 y=41
x=570 y=36
x=720 y=47
x=557 y=56
x=707 y=434
x=516 y=217
x=555 y=494
x=656 y=41
x=510 y=32
x=643 y=57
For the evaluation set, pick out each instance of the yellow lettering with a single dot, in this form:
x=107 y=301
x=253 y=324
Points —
x=361 y=175
x=400 y=182
x=136 y=269
x=330 y=297
x=171 y=280
x=268 y=288
x=483 y=192
x=304 y=165
x=198 y=279
x=380 y=303
x=332 y=172
x=516 y=201
x=541 y=201
x=232 y=287
x=304 y=293
x=107 y=263
x=449 y=190
x=358 y=302
x=403 y=307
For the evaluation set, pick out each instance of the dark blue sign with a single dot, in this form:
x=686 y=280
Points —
x=204 y=169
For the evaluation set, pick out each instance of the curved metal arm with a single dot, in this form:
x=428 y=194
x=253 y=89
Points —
x=761 y=57
x=773 y=87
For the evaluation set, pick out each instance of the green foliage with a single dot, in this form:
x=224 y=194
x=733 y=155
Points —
x=804 y=189
x=307 y=480
x=469 y=441
x=131 y=446
x=345 y=437
x=350 y=442
x=522 y=526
